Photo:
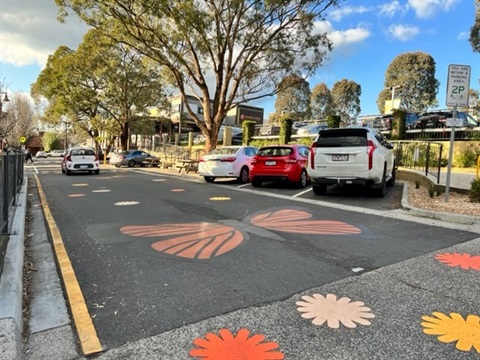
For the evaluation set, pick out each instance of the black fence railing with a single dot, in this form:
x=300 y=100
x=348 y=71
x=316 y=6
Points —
x=424 y=156
x=11 y=179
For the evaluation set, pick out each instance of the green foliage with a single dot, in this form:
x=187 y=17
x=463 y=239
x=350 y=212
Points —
x=474 y=194
x=475 y=30
x=321 y=103
x=285 y=130
x=414 y=73
x=466 y=157
x=346 y=97
x=399 y=130
x=293 y=97
x=248 y=128
x=333 y=121
x=51 y=141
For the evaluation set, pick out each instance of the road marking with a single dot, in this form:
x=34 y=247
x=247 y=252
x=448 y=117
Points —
x=87 y=334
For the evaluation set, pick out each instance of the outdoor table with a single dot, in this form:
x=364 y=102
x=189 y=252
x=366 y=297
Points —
x=188 y=165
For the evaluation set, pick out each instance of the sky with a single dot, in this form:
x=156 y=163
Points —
x=367 y=36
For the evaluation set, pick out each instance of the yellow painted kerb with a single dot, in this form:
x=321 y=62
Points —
x=87 y=334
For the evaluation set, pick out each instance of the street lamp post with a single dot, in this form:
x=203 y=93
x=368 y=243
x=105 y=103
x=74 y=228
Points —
x=4 y=100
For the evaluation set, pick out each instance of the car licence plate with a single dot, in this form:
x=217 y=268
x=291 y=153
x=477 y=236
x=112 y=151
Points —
x=83 y=166
x=270 y=163
x=340 y=157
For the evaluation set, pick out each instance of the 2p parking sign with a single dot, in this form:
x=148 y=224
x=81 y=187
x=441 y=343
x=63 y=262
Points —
x=458 y=85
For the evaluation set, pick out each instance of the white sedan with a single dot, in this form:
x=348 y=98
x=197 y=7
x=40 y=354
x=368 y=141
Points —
x=227 y=161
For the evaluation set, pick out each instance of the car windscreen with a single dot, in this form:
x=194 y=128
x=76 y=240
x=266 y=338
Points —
x=342 y=138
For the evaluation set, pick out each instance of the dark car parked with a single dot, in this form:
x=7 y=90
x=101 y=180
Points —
x=134 y=157
x=438 y=119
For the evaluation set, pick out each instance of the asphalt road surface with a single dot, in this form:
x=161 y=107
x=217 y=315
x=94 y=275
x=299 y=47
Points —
x=154 y=252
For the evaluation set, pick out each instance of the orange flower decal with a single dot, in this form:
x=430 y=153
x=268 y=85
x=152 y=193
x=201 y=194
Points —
x=465 y=261
x=297 y=221
x=204 y=240
x=239 y=347
x=197 y=241
x=454 y=328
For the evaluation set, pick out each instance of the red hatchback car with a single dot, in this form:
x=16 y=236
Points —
x=286 y=163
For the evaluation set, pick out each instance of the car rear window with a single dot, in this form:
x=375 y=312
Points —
x=82 y=152
x=275 y=151
x=224 y=151
x=342 y=138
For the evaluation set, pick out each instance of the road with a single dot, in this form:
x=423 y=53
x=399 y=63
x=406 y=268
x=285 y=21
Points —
x=153 y=253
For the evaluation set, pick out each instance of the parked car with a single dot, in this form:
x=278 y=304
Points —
x=56 y=153
x=80 y=159
x=439 y=119
x=227 y=161
x=284 y=163
x=41 y=154
x=135 y=157
x=311 y=129
x=353 y=155
x=116 y=157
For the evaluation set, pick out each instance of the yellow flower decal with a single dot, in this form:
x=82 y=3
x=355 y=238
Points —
x=334 y=311
x=454 y=328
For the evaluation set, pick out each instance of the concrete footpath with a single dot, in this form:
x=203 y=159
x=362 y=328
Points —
x=398 y=296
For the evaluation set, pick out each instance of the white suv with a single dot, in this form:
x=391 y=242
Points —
x=353 y=155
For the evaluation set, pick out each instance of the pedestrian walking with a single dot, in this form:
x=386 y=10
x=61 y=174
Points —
x=28 y=156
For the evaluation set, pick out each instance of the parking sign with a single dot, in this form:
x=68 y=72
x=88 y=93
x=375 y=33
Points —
x=458 y=85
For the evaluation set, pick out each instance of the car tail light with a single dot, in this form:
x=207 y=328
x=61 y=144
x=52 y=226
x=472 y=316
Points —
x=370 y=149
x=229 y=159
x=96 y=158
x=312 y=155
x=68 y=158
x=201 y=160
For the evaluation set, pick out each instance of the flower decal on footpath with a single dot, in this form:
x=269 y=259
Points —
x=227 y=346
x=465 y=261
x=466 y=332
x=334 y=311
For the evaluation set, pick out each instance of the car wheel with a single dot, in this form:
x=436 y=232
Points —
x=320 y=189
x=97 y=172
x=256 y=183
x=209 y=179
x=67 y=172
x=391 y=181
x=131 y=163
x=117 y=165
x=303 y=180
x=244 y=176
x=382 y=189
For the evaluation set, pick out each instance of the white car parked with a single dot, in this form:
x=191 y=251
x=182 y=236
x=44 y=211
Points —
x=353 y=155
x=227 y=161
x=80 y=160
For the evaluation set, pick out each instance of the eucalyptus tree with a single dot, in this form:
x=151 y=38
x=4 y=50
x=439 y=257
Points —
x=293 y=98
x=346 y=99
x=321 y=103
x=102 y=85
x=223 y=52
x=413 y=76
x=475 y=29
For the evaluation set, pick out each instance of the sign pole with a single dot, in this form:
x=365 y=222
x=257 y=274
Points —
x=458 y=86
x=450 y=153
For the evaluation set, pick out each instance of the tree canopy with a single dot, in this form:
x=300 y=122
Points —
x=475 y=29
x=413 y=76
x=321 y=103
x=293 y=98
x=99 y=85
x=346 y=98
x=241 y=48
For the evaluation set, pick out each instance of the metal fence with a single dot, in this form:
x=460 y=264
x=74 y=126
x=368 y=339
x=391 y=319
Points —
x=11 y=179
x=424 y=156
